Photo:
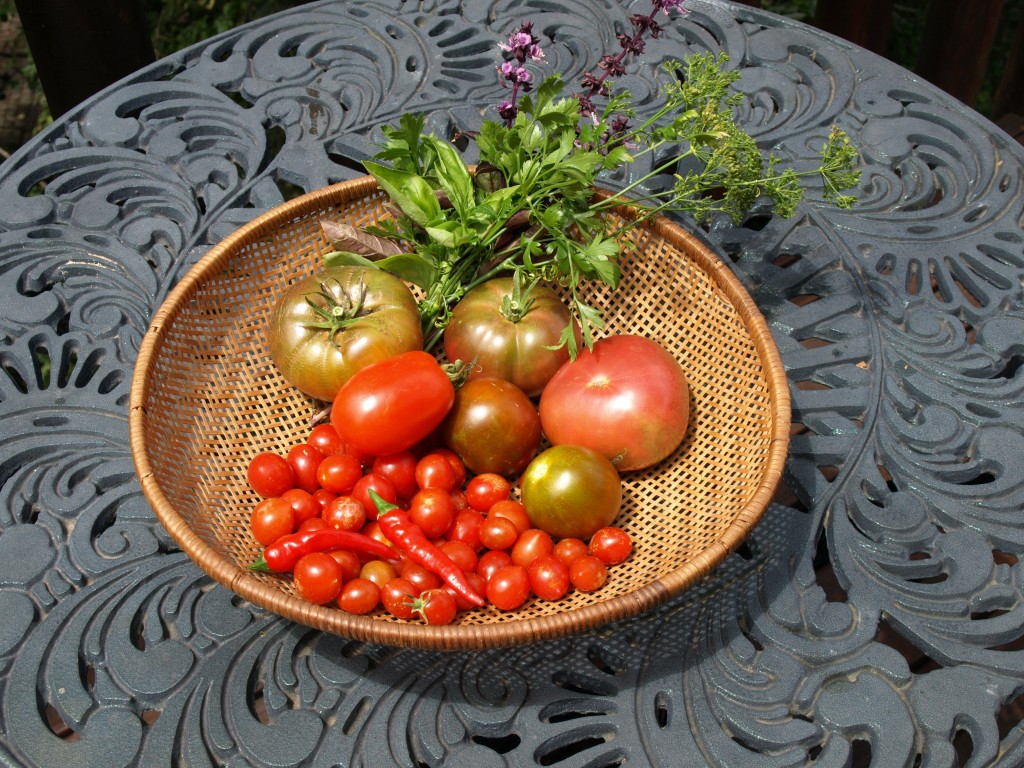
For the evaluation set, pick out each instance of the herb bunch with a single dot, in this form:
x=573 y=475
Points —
x=529 y=207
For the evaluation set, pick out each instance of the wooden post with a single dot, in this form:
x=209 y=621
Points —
x=866 y=23
x=956 y=44
x=82 y=46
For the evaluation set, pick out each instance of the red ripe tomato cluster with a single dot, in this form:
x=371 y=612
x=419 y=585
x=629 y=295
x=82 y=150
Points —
x=325 y=512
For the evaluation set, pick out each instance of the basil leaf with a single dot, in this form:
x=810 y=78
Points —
x=453 y=176
x=410 y=267
x=409 y=191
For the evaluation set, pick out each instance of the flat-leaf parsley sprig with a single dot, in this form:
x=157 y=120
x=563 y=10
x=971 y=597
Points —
x=529 y=208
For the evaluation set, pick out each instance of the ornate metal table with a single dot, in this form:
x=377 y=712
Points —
x=874 y=616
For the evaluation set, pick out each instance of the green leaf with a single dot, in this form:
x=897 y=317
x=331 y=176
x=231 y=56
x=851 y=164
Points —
x=450 y=234
x=410 y=267
x=453 y=175
x=409 y=191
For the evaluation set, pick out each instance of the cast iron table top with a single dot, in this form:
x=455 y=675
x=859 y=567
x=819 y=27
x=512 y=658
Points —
x=875 y=614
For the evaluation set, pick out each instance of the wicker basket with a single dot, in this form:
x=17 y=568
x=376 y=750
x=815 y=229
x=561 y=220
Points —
x=206 y=398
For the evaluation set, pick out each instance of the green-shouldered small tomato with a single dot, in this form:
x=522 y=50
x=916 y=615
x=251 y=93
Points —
x=571 y=491
x=514 y=339
x=325 y=327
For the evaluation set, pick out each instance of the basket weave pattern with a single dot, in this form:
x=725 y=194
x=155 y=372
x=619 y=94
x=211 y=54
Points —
x=206 y=398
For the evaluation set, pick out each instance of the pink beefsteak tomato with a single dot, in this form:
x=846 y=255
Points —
x=627 y=398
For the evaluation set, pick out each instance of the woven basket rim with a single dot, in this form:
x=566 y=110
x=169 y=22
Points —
x=451 y=637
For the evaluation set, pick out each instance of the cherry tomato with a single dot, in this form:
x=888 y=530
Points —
x=378 y=571
x=436 y=471
x=513 y=510
x=359 y=596
x=375 y=317
x=459 y=500
x=304 y=460
x=317 y=577
x=271 y=519
x=420 y=577
x=349 y=562
x=379 y=485
x=398 y=596
x=510 y=339
x=345 y=513
x=611 y=545
x=491 y=561
x=323 y=497
x=508 y=587
x=456 y=462
x=463 y=555
x=549 y=577
x=492 y=426
x=339 y=473
x=530 y=545
x=466 y=528
x=486 y=490
x=476 y=581
x=391 y=405
x=326 y=439
x=372 y=529
x=270 y=474
x=571 y=491
x=400 y=469
x=588 y=574
x=303 y=504
x=498 y=533
x=436 y=606
x=568 y=550
x=313 y=524
x=433 y=510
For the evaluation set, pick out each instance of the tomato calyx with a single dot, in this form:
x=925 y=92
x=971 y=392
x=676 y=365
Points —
x=338 y=312
x=515 y=305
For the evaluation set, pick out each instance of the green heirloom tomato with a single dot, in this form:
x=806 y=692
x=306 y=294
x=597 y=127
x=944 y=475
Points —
x=327 y=326
x=571 y=491
x=493 y=427
x=507 y=339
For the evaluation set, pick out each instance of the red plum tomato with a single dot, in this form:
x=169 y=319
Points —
x=508 y=337
x=626 y=398
x=325 y=327
x=391 y=405
x=571 y=491
x=493 y=426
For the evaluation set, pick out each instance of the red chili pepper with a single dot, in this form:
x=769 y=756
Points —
x=409 y=537
x=283 y=554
